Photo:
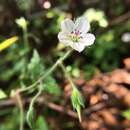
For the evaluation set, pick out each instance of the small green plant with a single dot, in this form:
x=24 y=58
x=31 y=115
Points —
x=74 y=34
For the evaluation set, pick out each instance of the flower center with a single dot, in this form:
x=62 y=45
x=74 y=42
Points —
x=75 y=36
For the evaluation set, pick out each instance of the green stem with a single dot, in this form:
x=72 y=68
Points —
x=31 y=106
x=25 y=38
x=67 y=74
x=79 y=113
x=61 y=59
x=36 y=96
x=78 y=108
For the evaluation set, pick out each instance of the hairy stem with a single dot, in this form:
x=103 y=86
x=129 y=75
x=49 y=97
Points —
x=67 y=74
x=44 y=75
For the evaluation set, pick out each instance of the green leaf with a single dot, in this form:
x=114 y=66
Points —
x=41 y=124
x=51 y=86
x=35 y=67
x=126 y=114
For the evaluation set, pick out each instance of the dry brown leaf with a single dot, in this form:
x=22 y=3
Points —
x=127 y=63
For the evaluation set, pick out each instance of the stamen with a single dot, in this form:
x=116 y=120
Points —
x=75 y=35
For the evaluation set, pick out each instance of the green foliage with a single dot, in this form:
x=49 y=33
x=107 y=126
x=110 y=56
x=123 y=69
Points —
x=35 y=67
x=11 y=121
x=74 y=71
x=90 y=70
x=126 y=114
x=25 y=5
x=15 y=56
x=96 y=15
x=50 y=86
x=107 y=52
x=41 y=124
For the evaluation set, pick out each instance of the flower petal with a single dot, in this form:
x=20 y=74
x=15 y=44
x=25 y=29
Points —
x=67 y=25
x=64 y=38
x=88 y=39
x=78 y=46
x=82 y=25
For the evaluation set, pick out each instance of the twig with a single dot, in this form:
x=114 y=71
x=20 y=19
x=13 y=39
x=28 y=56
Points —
x=61 y=109
x=91 y=2
x=120 y=19
x=20 y=104
x=41 y=100
x=94 y=108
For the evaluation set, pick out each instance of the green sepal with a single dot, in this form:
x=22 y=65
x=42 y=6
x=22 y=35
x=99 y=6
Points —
x=77 y=101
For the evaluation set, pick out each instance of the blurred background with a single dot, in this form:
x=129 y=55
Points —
x=101 y=72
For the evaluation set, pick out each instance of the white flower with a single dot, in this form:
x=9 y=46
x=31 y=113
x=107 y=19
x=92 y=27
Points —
x=75 y=34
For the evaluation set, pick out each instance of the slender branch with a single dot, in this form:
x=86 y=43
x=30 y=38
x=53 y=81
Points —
x=95 y=108
x=120 y=19
x=59 y=108
x=42 y=101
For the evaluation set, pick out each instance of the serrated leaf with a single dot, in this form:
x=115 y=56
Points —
x=51 y=86
x=35 y=67
x=35 y=58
